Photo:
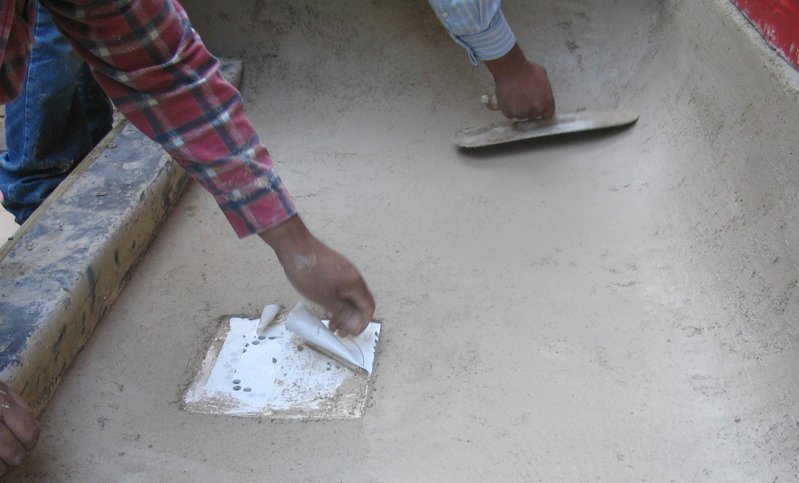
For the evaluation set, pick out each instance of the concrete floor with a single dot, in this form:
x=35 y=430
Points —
x=616 y=307
x=7 y=225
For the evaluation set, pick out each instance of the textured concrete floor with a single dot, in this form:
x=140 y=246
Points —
x=616 y=307
x=7 y=225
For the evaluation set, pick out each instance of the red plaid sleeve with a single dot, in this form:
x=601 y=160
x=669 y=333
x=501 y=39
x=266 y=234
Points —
x=15 y=40
x=159 y=74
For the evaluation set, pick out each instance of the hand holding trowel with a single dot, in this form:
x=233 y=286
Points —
x=525 y=97
x=355 y=352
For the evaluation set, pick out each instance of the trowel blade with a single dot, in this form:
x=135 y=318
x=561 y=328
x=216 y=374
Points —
x=509 y=131
x=356 y=352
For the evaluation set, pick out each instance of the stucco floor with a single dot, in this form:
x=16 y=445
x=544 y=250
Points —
x=7 y=225
x=609 y=307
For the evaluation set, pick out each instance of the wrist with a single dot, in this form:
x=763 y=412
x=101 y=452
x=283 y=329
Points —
x=289 y=236
x=507 y=65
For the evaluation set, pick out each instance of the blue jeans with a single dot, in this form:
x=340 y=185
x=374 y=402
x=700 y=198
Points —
x=57 y=119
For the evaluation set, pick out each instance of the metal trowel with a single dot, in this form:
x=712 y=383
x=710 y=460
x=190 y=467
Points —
x=356 y=353
x=521 y=129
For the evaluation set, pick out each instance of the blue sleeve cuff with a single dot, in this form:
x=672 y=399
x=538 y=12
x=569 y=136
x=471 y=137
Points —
x=490 y=44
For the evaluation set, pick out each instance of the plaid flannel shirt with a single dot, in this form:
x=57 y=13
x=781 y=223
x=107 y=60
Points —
x=159 y=74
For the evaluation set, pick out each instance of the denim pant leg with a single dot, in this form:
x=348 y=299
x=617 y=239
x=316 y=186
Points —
x=57 y=119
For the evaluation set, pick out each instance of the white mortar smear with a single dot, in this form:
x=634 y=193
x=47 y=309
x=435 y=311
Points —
x=277 y=376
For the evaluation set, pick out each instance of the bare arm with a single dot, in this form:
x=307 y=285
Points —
x=479 y=26
x=322 y=276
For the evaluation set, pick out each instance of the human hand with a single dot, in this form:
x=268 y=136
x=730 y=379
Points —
x=522 y=88
x=322 y=276
x=19 y=430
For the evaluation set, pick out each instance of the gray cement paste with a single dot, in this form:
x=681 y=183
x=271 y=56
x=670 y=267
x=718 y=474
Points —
x=608 y=308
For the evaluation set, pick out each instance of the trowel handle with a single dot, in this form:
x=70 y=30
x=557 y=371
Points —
x=490 y=101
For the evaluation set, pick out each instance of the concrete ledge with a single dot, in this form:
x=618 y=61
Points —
x=66 y=266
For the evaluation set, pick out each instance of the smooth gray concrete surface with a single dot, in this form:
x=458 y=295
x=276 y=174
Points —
x=615 y=307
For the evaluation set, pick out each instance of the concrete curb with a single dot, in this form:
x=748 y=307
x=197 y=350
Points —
x=64 y=269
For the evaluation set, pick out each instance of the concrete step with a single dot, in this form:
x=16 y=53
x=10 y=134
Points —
x=61 y=271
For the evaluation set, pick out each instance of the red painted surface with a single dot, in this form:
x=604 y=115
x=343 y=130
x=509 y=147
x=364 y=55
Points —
x=778 y=22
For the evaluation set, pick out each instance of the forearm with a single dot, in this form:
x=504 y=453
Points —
x=287 y=238
x=159 y=74
x=322 y=276
x=508 y=64
x=162 y=78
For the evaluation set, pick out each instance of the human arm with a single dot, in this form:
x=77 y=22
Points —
x=522 y=87
x=160 y=76
x=323 y=276
x=19 y=431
